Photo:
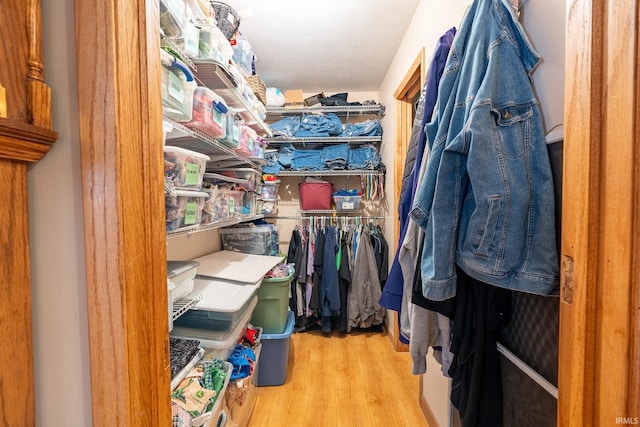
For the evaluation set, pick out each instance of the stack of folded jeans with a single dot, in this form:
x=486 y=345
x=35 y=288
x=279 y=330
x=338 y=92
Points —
x=366 y=157
x=365 y=128
x=335 y=156
x=285 y=155
x=273 y=166
x=307 y=160
x=286 y=127
x=319 y=125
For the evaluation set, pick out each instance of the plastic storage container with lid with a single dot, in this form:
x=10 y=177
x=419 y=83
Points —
x=182 y=274
x=251 y=177
x=222 y=304
x=183 y=209
x=243 y=54
x=217 y=344
x=273 y=304
x=177 y=88
x=347 y=203
x=274 y=359
x=248 y=240
x=247 y=141
x=270 y=190
x=214 y=45
x=172 y=17
x=221 y=205
x=232 y=138
x=209 y=113
x=183 y=169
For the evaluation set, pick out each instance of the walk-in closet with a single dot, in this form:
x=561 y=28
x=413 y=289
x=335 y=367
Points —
x=286 y=213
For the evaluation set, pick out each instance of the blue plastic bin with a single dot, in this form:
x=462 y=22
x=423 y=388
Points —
x=274 y=358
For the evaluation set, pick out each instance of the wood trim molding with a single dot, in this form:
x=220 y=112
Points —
x=125 y=242
x=38 y=93
x=581 y=170
x=24 y=142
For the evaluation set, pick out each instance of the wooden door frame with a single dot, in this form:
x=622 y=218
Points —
x=120 y=118
x=599 y=348
x=404 y=94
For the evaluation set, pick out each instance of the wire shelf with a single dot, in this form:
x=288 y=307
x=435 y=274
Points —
x=345 y=172
x=371 y=109
x=220 y=154
x=200 y=228
x=326 y=140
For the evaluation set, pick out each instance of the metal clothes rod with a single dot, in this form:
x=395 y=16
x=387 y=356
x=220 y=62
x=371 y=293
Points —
x=530 y=372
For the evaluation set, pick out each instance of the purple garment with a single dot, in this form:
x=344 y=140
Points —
x=391 y=297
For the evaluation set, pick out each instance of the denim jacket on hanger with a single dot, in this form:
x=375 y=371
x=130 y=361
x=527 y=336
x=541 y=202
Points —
x=486 y=201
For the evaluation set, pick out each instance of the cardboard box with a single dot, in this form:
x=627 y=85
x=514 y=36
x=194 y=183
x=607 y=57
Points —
x=294 y=98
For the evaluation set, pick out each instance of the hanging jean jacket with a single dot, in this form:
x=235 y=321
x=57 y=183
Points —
x=486 y=201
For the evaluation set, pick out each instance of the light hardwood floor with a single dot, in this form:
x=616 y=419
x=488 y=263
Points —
x=351 y=380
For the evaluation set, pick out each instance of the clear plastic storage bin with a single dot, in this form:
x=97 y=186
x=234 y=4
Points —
x=214 y=45
x=347 y=203
x=248 y=240
x=172 y=17
x=251 y=177
x=184 y=169
x=221 y=205
x=209 y=113
x=270 y=190
x=183 y=209
x=177 y=88
x=247 y=141
x=221 y=306
x=243 y=54
x=217 y=344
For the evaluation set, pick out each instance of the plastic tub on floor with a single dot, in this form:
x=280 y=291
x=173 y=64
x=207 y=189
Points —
x=273 y=304
x=274 y=359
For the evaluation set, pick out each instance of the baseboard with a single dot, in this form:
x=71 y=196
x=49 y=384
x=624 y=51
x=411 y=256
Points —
x=426 y=410
x=392 y=326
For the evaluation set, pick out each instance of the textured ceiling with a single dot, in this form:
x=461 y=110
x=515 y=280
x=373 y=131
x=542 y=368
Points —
x=328 y=45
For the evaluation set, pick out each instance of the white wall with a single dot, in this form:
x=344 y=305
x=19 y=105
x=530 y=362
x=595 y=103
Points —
x=544 y=22
x=60 y=338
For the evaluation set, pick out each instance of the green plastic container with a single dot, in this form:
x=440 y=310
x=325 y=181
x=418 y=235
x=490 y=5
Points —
x=273 y=304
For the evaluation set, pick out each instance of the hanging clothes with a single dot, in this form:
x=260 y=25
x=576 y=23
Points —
x=364 y=310
x=476 y=387
x=486 y=201
x=392 y=296
x=329 y=288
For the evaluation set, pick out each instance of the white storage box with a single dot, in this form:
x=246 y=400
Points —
x=183 y=209
x=184 y=169
x=221 y=306
x=182 y=274
x=217 y=344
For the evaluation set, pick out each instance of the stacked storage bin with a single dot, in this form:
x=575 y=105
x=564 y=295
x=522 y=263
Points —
x=246 y=180
x=220 y=320
x=277 y=322
x=183 y=176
